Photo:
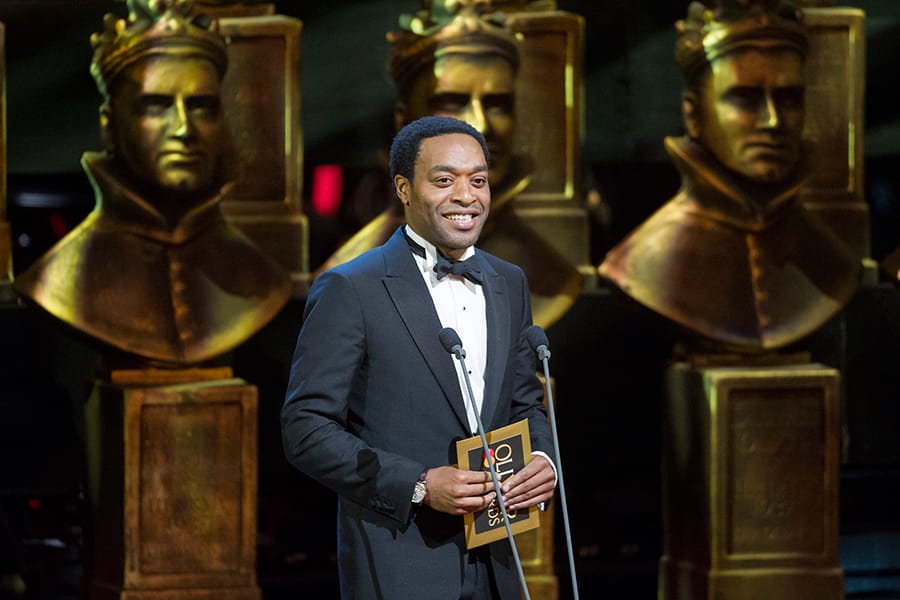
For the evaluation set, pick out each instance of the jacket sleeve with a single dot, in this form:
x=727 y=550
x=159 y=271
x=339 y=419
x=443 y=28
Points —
x=327 y=374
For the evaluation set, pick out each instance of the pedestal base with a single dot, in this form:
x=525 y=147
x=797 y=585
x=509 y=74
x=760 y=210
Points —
x=114 y=593
x=750 y=484
x=172 y=479
x=685 y=581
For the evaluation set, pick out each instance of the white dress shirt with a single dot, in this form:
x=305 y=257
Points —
x=460 y=305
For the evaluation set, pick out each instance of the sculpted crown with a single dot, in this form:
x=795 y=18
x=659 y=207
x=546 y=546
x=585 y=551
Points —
x=154 y=27
x=449 y=27
x=708 y=33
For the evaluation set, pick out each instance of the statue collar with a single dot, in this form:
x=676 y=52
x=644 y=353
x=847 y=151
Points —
x=723 y=196
x=120 y=200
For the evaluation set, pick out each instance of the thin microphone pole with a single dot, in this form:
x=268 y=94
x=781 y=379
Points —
x=538 y=340
x=450 y=339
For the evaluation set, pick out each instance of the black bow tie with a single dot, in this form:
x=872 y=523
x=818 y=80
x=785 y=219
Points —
x=464 y=268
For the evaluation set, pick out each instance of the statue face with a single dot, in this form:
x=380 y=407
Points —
x=751 y=112
x=477 y=89
x=164 y=121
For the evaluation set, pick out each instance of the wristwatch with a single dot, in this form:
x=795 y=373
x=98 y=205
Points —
x=420 y=490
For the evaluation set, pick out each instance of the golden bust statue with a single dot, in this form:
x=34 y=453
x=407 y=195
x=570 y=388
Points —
x=155 y=272
x=458 y=59
x=734 y=257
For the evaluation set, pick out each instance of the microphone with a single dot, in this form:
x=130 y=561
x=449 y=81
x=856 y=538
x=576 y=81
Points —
x=452 y=344
x=537 y=339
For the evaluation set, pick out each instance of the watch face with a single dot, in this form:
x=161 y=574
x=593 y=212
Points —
x=419 y=492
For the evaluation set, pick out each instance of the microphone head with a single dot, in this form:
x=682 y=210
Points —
x=536 y=337
x=450 y=341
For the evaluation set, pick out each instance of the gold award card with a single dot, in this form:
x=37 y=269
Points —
x=510 y=447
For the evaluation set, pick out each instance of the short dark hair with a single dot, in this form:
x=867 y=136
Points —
x=406 y=144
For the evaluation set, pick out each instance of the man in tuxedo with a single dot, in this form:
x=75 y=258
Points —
x=375 y=404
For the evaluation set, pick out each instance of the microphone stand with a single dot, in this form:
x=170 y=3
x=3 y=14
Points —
x=460 y=355
x=543 y=355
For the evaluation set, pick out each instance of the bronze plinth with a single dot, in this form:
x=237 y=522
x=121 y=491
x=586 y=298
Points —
x=536 y=549
x=550 y=84
x=261 y=98
x=834 y=123
x=172 y=477
x=750 y=483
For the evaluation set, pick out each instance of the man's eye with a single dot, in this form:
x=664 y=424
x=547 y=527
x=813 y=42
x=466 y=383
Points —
x=498 y=103
x=448 y=103
x=789 y=98
x=153 y=105
x=204 y=107
x=479 y=181
x=744 y=98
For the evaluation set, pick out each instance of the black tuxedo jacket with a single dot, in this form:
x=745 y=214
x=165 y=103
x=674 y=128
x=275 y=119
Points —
x=373 y=399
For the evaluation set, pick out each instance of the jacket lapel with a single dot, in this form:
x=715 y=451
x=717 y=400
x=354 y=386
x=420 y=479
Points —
x=407 y=290
x=496 y=300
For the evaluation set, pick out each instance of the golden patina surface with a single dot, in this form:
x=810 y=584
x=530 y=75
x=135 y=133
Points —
x=735 y=258
x=460 y=59
x=172 y=473
x=751 y=459
x=155 y=273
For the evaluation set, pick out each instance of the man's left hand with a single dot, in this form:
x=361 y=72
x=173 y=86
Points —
x=530 y=486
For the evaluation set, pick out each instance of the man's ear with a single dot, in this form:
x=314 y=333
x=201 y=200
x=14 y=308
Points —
x=690 y=113
x=106 y=133
x=401 y=186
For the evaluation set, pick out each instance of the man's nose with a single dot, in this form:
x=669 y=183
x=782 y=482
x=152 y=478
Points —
x=474 y=116
x=181 y=121
x=769 y=116
x=463 y=191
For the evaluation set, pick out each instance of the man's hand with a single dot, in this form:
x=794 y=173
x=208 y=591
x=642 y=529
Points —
x=530 y=486
x=457 y=492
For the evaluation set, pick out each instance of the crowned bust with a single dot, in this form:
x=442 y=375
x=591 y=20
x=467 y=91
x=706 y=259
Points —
x=734 y=258
x=458 y=58
x=154 y=273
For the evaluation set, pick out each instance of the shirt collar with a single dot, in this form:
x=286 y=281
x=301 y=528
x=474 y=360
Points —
x=426 y=265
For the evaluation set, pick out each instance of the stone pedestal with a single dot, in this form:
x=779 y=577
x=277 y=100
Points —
x=550 y=89
x=536 y=547
x=172 y=476
x=536 y=553
x=750 y=484
x=834 y=122
x=261 y=103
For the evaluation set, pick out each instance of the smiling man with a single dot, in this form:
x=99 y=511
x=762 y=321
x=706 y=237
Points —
x=459 y=59
x=155 y=273
x=375 y=405
x=734 y=258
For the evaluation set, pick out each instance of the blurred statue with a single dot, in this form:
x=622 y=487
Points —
x=734 y=256
x=155 y=271
x=458 y=59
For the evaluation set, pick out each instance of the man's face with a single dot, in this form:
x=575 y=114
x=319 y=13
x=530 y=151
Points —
x=479 y=90
x=165 y=122
x=751 y=112
x=449 y=198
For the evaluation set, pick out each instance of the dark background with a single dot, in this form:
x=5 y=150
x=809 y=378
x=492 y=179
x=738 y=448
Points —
x=607 y=358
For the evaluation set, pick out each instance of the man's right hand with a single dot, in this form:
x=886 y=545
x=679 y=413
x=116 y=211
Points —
x=457 y=492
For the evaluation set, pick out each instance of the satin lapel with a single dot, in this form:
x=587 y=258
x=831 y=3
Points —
x=496 y=300
x=407 y=290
